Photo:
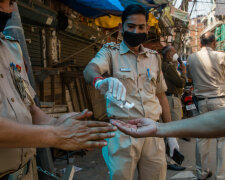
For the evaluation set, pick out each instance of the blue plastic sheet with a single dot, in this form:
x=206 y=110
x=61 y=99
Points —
x=96 y=8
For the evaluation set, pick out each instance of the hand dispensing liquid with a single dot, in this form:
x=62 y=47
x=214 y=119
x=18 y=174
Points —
x=121 y=104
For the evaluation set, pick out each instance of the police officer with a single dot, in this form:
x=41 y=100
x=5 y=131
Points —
x=23 y=125
x=136 y=76
x=175 y=82
x=206 y=69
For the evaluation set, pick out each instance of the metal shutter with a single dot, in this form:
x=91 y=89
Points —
x=71 y=44
x=34 y=44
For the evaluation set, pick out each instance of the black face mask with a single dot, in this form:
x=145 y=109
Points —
x=4 y=17
x=134 y=39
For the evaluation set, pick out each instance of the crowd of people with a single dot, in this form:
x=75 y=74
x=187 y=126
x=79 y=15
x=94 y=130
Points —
x=133 y=138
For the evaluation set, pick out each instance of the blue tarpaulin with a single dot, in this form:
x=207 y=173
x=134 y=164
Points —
x=96 y=8
x=147 y=4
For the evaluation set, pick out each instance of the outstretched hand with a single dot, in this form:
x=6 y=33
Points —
x=74 y=115
x=137 y=128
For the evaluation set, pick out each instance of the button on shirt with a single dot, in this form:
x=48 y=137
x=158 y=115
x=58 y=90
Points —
x=12 y=106
x=141 y=87
x=207 y=70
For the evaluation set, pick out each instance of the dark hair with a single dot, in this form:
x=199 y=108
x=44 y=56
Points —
x=207 y=40
x=10 y=1
x=133 y=9
x=165 y=50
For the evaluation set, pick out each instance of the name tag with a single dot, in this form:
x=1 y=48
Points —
x=125 y=69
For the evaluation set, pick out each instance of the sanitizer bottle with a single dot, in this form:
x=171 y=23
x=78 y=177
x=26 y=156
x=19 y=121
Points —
x=121 y=104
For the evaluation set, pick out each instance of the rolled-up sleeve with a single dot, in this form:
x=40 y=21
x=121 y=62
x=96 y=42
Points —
x=103 y=60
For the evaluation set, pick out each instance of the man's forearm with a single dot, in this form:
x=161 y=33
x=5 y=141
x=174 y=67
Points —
x=15 y=135
x=208 y=125
x=166 y=116
x=90 y=72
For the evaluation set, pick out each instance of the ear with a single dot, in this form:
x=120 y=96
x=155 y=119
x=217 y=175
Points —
x=121 y=27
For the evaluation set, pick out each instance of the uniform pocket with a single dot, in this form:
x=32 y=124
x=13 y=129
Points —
x=149 y=84
x=127 y=79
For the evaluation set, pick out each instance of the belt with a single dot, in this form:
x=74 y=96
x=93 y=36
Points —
x=18 y=175
x=170 y=94
x=200 y=99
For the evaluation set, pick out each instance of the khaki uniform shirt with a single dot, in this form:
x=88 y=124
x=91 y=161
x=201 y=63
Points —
x=141 y=88
x=174 y=81
x=12 y=107
x=207 y=70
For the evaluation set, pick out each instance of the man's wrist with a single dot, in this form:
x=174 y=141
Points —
x=52 y=121
x=160 y=130
x=96 y=79
x=51 y=136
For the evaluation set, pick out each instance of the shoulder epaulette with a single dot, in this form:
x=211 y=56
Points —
x=111 y=45
x=152 y=51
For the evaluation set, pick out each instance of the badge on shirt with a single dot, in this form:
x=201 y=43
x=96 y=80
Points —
x=21 y=84
x=18 y=80
x=125 y=69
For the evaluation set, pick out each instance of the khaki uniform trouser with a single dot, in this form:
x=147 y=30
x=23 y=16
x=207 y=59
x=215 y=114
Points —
x=124 y=154
x=175 y=107
x=203 y=145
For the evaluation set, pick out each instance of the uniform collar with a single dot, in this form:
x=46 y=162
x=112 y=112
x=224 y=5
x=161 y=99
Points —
x=207 y=48
x=124 y=49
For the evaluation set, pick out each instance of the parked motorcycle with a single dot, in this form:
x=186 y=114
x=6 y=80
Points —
x=189 y=109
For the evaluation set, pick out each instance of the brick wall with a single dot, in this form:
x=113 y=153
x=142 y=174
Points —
x=196 y=29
